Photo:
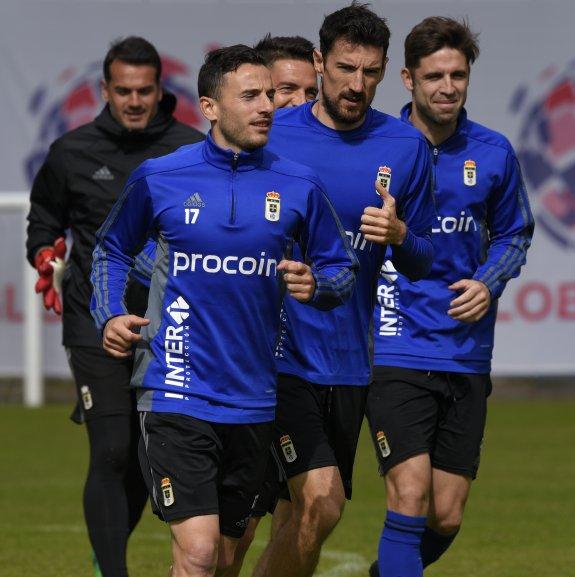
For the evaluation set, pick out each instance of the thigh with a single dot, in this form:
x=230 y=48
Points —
x=102 y=383
x=462 y=424
x=344 y=411
x=242 y=470
x=402 y=412
x=180 y=458
x=300 y=437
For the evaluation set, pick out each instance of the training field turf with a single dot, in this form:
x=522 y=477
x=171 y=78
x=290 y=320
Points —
x=520 y=520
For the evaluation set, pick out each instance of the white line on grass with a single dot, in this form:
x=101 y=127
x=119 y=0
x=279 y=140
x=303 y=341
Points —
x=347 y=563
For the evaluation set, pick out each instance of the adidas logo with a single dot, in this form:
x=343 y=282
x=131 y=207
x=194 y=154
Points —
x=103 y=174
x=195 y=201
x=178 y=310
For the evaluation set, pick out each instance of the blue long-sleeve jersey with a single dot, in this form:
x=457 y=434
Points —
x=483 y=230
x=222 y=222
x=334 y=348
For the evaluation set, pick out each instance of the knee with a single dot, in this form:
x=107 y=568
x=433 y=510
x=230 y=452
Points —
x=446 y=524
x=110 y=457
x=409 y=498
x=197 y=558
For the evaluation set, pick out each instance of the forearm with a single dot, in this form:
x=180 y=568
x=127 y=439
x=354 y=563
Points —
x=414 y=257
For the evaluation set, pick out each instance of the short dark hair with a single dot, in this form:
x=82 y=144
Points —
x=437 y=32
x=133 y=50
x=356 y=24
x=221 y=61
x=274 y=48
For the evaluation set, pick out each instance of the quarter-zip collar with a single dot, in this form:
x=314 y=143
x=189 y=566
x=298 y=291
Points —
x=227 y=159
x=460 y=130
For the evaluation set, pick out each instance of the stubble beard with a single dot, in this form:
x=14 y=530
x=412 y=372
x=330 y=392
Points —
x=337 y=113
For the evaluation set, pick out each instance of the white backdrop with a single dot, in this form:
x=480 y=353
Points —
x=523 y=85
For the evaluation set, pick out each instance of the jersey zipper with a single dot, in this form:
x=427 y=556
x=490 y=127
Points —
x=235 y=160
x=434 y=172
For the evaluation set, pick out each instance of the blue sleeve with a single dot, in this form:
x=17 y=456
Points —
x=414 y=257
x=119 y=239
x=333 y=261
x=510 y=224
x=144 y=265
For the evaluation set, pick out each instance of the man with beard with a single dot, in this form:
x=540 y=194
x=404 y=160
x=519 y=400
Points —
x=226 y=214
x=324 y=359
x=427 y=405
x=75 y=189
x=290 y=60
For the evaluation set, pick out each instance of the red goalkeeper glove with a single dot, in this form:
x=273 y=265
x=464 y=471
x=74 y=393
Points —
x=49 y=262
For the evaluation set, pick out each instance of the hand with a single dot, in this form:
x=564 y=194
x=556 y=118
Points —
x=50 y=264
x=473 y=302
x=381 y=225
x=119 y=337
x=299 y=279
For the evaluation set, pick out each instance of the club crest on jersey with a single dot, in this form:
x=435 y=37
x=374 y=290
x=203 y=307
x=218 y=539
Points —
x=383 y=445
x=384 y=177
x=469 y=173
x=273 y=206
x=288 y=449
x=167 y=492
x=86 y=397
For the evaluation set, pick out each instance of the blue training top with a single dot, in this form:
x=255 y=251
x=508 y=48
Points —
x=483 y=230
x=334 y=348
x=223 y=222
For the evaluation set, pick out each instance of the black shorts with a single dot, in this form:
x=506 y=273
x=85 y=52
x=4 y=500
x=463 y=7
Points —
x=102 y=384
x=193 y=467
x=413 y=412
x=273 y=487
x=317 y=426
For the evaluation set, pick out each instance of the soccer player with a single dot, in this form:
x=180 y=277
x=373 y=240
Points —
x=324 y=359
x=75 y=189
x=290 y=60
x=226 y=214
x=434 y=338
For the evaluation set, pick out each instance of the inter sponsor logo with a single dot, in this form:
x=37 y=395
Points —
x=390 y=323
x=451 y=224
x=213 y=264
x=174 y=343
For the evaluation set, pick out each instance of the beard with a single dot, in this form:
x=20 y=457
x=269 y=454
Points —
x=335 y=107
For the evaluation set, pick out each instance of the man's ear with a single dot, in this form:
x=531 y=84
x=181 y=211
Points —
x=318 y=61
x=407 y=79
x=104 y=91
x=209 y=108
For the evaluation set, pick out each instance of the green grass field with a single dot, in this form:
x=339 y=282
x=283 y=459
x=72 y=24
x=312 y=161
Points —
x=520 y=520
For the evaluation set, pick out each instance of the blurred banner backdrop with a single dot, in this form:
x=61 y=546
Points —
x=522 y=85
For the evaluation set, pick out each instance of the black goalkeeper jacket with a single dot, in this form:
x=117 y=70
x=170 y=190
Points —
x=76 y=187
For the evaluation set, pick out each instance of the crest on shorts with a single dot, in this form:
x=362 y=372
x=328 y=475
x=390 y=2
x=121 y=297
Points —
x=469 y=173
x=273 y=206
x=383 y=445
x=167 y=492
x=288 y=449
x=384 y=177
x=86 y=397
